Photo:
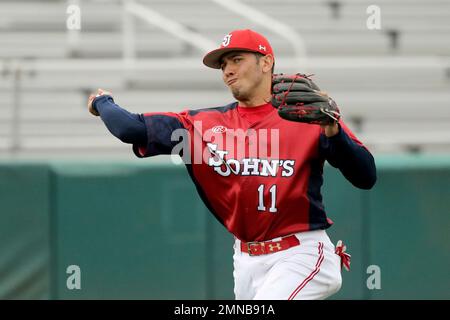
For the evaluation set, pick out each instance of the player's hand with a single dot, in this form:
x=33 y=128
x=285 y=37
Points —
x=100 y=92
x=330 y=129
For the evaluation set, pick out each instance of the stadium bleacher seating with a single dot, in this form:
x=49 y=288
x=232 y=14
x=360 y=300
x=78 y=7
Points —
x=393 y=84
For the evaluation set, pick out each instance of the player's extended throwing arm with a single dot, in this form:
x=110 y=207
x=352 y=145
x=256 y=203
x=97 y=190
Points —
x=126 y=126
x=149 y=133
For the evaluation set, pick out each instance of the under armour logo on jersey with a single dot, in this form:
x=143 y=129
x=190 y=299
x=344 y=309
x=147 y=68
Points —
x=218 y=129
x=226 y=40
x=261 y=47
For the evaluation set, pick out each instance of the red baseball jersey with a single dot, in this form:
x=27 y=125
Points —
x=259 y=175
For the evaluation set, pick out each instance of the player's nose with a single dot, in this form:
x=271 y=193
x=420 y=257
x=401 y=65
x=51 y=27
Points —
x=227 y=73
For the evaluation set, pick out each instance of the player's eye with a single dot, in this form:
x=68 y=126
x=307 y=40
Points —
x=236 y=60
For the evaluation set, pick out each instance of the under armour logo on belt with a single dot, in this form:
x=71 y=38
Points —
x=261 y=47
x=276 y=246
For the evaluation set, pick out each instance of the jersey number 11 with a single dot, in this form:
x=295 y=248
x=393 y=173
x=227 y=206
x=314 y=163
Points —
x=273 y=196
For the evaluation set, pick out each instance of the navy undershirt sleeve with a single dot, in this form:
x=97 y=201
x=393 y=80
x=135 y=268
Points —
x=126 y=126
x=354 y=161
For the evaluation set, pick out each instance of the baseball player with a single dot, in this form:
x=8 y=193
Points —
x=268 y=197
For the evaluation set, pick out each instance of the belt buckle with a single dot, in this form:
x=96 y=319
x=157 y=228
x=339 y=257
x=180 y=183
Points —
x=249 y=247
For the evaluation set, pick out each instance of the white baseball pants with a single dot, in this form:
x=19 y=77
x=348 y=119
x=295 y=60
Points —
x=308 y=271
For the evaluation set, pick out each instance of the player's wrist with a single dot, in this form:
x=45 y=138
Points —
x=97 y=100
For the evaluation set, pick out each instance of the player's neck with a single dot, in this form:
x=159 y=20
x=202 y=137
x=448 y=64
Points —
x=257 y=101
x=260 y=97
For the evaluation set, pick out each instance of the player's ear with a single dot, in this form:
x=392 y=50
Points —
x=267 y=63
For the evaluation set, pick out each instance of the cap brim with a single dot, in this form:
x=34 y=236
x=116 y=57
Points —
x=212 y=59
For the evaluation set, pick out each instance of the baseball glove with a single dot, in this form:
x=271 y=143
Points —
x=299 y=99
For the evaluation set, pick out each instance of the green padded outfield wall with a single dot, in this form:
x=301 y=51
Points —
x=24 y=231
x=138 y=230
x=409 y=228
x=135 y=232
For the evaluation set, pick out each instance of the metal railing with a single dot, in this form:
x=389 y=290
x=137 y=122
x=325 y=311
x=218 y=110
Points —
x=170 y=26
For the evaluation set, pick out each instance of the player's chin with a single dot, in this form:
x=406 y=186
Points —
x=238 y=93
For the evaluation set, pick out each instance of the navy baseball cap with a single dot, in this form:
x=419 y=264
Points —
x=238 y=40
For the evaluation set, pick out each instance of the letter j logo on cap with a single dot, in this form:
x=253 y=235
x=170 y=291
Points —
x=226 y=40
